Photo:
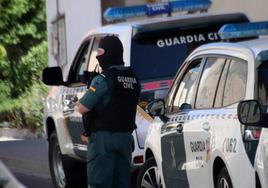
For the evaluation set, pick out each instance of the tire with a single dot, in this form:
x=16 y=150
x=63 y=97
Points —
x=65 y=171
x=149 y=176
x=223 y=179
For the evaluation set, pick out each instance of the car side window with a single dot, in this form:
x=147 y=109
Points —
x=209 y=82
x=93 y=62
x=235 y=87
x=220 y=90
x=80 y=64
x=184 y=95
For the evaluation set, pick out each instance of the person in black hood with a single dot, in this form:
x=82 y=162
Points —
x=113 y=96
x=111 y=52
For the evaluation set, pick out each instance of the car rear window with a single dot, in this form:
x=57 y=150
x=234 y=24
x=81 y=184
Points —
x=159 y=54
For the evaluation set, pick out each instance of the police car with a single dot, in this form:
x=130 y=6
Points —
x=201 y=137
x=151 y=48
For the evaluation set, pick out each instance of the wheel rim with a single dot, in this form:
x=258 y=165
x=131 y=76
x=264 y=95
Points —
x=223 y=183
x=58 y=167
x=151 y=178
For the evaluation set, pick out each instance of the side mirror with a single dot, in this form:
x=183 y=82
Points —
x=53 y=76
x=249 y=113
x=156 y=107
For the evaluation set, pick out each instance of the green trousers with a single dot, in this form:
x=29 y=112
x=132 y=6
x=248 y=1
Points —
x=109 y=160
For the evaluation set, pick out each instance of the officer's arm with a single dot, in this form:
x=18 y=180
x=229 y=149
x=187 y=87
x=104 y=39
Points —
x=95 y=92
x=81 y=108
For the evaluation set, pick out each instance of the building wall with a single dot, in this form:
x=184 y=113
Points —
x=80 y=16
x=255 y=9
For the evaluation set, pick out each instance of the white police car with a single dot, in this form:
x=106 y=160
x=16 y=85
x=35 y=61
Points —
x=197 y=139
x=151 y=48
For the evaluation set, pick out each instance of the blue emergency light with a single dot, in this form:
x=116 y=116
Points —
x=243 y=30
x=121 y=13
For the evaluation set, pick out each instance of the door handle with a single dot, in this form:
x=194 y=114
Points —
x=206 y=126
x=179 y=128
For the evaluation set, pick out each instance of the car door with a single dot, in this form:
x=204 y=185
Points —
x=198 y=131
x=179 y=102
x=76 y=86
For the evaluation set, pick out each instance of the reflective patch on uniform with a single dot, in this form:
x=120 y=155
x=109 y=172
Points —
x=92 y=88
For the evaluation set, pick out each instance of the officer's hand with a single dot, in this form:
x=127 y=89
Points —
x=84 y=139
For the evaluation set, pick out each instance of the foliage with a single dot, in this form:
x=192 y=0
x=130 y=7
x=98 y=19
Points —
x=31 y=66
x=23 y=55
x=32 y=106
x=22 y=23
x=22 y=26
x=26 y=110
x=3 y=52
x=4 y=67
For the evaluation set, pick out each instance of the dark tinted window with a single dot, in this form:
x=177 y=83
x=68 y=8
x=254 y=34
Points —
x=235 y=86
x=209 y=82
x=185 y=92
x=263 y=83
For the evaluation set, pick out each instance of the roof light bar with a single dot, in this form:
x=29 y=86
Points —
x=243 y=30
x=120 y=13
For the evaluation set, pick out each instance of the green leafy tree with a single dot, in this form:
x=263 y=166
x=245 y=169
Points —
x=23 y=55
x=27 y=109
x=22 y=26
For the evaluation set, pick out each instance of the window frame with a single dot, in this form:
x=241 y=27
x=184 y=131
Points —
x=247 y=65
x=182 y=71
x=180 y=75
x=217 y=86
x=99 y=36
x=227 y=66
x=73 y=69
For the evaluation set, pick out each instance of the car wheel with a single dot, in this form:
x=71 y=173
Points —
x=224 y=180
x=63 y=169
x=149 y=176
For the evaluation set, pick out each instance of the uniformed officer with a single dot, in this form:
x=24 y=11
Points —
x=113 y=95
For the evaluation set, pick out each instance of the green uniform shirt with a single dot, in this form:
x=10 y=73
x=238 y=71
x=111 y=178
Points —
x=96 y=97
x=98 y=94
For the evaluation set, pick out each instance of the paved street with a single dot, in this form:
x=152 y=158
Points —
x=28 y=161
x=33 y=181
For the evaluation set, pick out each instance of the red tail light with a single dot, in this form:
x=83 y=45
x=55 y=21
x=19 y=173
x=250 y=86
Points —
x=256 y=133
x=138 y=159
